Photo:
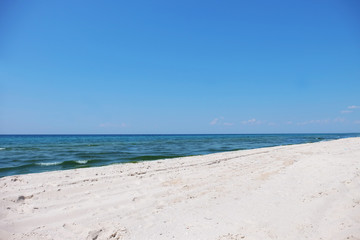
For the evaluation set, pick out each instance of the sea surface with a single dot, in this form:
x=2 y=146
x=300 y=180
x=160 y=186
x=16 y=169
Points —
x=21 y=154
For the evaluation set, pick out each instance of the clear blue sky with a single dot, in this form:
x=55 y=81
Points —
x=179 y=66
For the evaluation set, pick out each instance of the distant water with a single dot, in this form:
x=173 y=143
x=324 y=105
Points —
x=40 y=153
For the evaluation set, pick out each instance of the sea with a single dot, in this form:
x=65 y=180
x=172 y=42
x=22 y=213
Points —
x=23 y=154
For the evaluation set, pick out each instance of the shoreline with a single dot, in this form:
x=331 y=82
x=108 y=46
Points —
x=34 y=154
x=286 y=192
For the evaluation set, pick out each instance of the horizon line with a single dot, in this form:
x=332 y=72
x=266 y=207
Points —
x=142 y=134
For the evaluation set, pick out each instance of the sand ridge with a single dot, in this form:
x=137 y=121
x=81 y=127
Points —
x=306 y=191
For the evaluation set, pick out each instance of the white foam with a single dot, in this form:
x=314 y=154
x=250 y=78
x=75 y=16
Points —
x=2 y=149
x=49 y=163
x=82 y=161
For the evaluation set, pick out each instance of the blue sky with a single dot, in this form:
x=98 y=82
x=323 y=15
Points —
x=179 y=66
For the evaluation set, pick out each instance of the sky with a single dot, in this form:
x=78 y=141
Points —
x=184 y=67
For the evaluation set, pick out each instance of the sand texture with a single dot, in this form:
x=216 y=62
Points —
x=306 y=191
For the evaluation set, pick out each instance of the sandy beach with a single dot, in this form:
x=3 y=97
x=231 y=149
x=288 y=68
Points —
x=306 y=191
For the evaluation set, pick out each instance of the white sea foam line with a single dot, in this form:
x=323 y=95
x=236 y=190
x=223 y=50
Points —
x=2 y=149
x=49 y=164
x=82 y=161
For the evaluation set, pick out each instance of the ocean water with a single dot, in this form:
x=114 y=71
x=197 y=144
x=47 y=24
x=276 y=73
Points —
x=21 y=154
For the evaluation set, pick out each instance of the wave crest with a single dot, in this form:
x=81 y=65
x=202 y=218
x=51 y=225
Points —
x=49 y=163
x=82 y=161
x=62 y=163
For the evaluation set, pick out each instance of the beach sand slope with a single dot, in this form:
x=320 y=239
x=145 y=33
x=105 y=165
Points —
x=306 y=191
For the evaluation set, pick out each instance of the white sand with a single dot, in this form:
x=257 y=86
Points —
x=307 y=191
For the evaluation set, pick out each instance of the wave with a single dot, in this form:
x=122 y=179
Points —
x=82 y=161
x=2 y=149
x=45 y=166
x=41 y=167
x=64 y=163
x=49 y=163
